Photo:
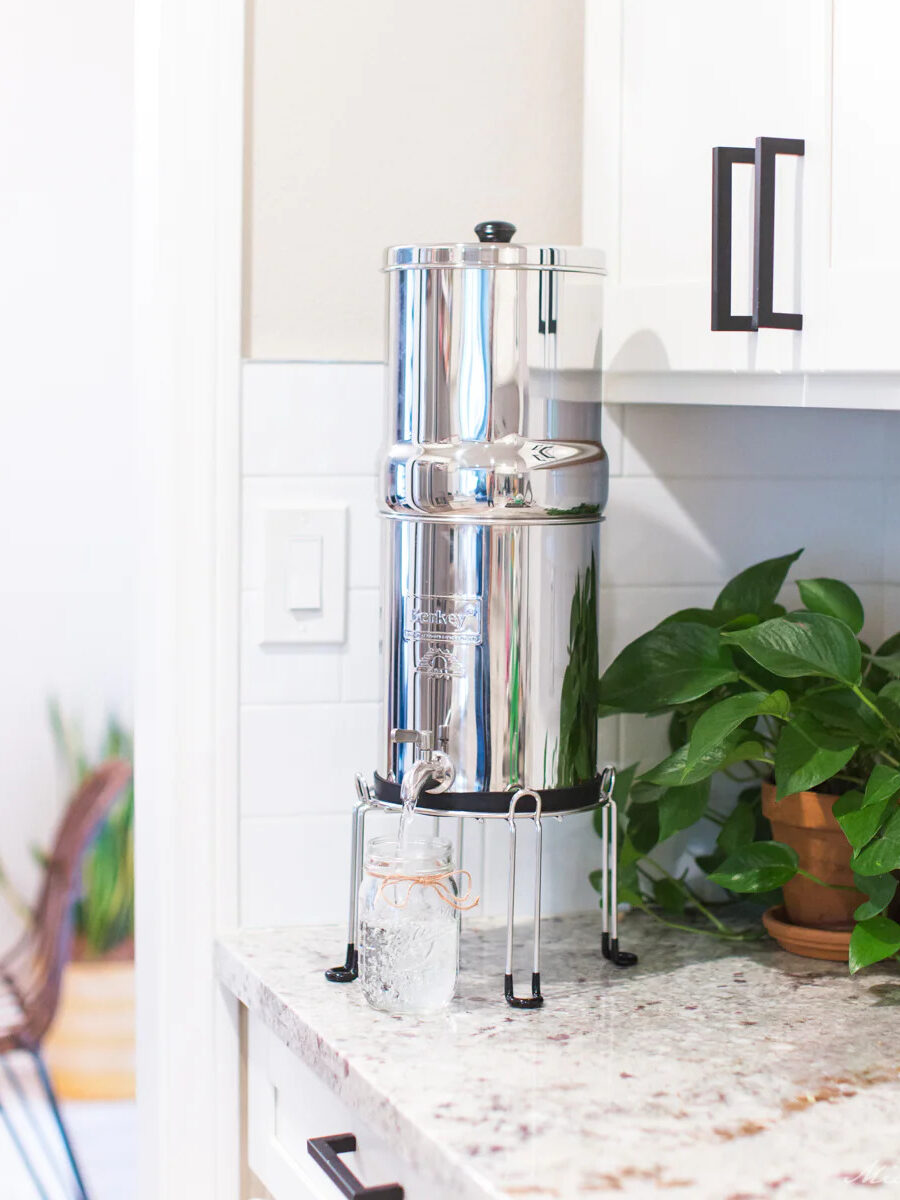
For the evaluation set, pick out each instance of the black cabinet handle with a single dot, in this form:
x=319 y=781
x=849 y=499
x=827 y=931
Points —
x=724 y=158
x=764 y=315
x=326 y=1150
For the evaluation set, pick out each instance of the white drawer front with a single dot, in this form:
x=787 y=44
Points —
x=287 y=1104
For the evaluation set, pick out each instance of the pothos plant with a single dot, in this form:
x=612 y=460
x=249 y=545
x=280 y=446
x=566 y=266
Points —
x=755 y=692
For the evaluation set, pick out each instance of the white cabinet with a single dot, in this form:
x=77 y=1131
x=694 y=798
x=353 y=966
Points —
x=286 y=1105
x=862 y=262
x=665 y=84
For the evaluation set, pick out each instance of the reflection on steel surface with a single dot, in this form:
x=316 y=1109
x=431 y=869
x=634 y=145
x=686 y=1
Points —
x=494 y=483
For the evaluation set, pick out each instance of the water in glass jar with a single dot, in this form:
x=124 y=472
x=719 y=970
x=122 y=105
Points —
x=408 y=965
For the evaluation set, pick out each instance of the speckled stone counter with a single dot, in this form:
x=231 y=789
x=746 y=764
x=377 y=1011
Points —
x=709 y=1070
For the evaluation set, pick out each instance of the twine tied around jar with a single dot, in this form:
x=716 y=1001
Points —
x=437 y=881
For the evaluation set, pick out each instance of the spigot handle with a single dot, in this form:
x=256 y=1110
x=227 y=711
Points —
x=423 y=739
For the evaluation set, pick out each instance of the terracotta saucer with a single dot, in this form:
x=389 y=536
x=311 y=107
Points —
x=833 y=944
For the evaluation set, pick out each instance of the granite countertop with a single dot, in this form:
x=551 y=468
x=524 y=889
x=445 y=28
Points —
x=709 y=1070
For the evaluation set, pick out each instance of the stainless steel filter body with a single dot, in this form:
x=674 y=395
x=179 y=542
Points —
x=494 y=483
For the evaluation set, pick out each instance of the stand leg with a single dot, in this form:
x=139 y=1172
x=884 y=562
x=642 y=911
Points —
x=609 y=895
x=350 y=969
x=535 y=1000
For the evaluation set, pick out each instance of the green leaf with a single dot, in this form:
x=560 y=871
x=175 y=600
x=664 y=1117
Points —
x=743 y=752
x=890 y=663
x=723 y=718
x=843 y=711
x=880 y=856
x=758 y=867
x=872 y=941
x=802 y=644
x=883 y=784
x=877 y=677
x=698 y=616
x=880 y=889
x=628 y=889
x=670 y=895
x=622 y=786
x=706 y=616
x=738 y=830
x=859 y=821
x=807 y=754
x=755 y=589
x=628 y=852
x=672 y=772
x=679 y=729
x=643 y=827
x=646 y=793
x=682 y=807
x=888 y=701
x=709 y=862
x=833 y=598
x=669 y=665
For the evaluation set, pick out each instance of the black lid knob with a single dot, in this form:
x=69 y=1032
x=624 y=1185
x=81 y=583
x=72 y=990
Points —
x=495 y=231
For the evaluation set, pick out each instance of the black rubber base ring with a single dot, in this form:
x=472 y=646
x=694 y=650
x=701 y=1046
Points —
x=553 y=800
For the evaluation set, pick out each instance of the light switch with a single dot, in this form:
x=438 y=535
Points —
x=304 y=574
x=305 y=597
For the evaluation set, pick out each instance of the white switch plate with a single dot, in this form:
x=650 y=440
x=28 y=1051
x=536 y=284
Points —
x=305 y=598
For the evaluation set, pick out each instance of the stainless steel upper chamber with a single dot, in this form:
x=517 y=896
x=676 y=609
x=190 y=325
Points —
x=494 y=483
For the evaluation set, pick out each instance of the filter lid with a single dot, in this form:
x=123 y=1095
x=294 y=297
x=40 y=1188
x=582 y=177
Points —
x=495 y=249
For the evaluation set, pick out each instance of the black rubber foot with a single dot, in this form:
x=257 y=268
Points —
x=535 y=1000
x=349 y=971
x=611 y=951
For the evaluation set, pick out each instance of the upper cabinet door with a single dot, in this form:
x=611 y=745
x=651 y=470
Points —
x=665 y=84
x=861 y=257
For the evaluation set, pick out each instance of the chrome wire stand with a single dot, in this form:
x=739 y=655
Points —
x=366 y=801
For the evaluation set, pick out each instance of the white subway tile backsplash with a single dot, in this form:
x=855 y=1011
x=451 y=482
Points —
x=697 y=494
x=295 y=871
x=571 y=851
x=311 y=418
x=284 y=674
x=642 y=740
x=612 y=436
x=891 y=610
x=892 y=533
x=360 y=662
x=671 y=441
x=358 y=493
x=892 y=444
x=627 y=612
x=302 y=758
x=688 y=531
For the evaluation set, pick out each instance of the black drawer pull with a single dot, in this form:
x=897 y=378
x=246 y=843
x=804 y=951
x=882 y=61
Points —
x=724 y=158
x=764 y=316
x=326 y=1152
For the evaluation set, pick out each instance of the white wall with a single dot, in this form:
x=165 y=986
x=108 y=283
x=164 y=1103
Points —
x=697 y=494
x=66 y=537
x=377 y=123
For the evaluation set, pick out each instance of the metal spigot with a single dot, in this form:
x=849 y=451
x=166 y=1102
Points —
x=432 y=769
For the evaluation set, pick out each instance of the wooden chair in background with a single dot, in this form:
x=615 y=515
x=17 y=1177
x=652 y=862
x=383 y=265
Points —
x=31 y=972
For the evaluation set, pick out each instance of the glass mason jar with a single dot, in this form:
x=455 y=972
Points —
x=409 y=925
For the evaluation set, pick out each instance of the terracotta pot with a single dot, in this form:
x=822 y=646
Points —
x=806 y=823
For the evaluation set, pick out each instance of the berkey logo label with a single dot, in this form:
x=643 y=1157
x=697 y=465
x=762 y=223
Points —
x=442 y=619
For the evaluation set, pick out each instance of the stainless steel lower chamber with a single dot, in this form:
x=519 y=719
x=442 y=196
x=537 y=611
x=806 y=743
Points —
x=494 y=483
